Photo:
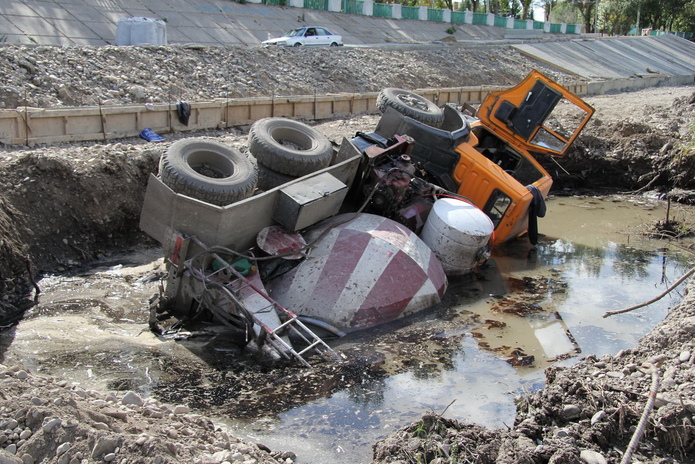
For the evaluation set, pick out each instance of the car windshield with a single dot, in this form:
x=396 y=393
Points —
x=293 y=32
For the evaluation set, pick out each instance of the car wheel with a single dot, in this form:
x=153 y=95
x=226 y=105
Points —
x=333 y=44
x=297 y=44
x=410 y=104
x=208 y=171
x=289 y=147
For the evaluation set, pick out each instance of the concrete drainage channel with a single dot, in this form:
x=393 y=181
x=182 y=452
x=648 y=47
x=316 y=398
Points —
x=25 y=125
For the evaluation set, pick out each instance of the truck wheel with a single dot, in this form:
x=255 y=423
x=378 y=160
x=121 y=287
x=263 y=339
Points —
x=289 y=147
x=268 y=179
x=410 y=104
x=208 y=171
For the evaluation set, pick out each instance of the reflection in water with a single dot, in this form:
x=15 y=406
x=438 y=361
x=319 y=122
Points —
x=341 y=429
x=622 y=277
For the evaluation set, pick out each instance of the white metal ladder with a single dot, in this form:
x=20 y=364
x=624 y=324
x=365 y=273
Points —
x=272 y=335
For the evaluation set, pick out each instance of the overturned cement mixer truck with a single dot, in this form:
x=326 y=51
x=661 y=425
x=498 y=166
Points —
x=310 y=241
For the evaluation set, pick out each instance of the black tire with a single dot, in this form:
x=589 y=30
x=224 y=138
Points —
x=208 y=171
x=289 y=147
x=410 y=104
x=268 y=179
x=297 y=44
x=334 y=44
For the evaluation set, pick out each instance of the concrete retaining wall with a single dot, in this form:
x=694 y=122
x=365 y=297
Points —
x=636 y=83
x=37 y=125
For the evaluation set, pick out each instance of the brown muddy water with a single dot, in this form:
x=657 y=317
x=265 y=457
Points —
x=527 y=308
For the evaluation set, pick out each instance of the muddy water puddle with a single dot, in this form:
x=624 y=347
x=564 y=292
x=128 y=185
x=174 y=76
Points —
x=527 y=308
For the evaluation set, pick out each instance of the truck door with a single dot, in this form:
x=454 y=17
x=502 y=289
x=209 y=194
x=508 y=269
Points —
x=538 y=114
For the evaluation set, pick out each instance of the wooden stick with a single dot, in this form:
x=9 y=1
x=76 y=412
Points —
x=642 y=425
x=668 y=290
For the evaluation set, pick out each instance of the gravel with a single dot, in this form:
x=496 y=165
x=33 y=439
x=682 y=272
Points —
x=80 y=76
x=43 y=419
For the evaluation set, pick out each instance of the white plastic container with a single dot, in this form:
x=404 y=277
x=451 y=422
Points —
x=141 y=31
x=123 y=31
x=456 y=231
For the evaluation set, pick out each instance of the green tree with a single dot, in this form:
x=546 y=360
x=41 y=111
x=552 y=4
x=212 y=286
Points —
x=587 y=11
x=565 y=12
x=622 y=16
x=444 y=4
x=548 y=5
x=526 y=9
x=685 y=22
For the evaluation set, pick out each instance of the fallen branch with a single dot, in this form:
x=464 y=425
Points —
x=668 y=290
x=642 y=425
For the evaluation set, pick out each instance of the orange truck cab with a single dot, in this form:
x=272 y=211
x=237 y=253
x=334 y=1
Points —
x=488 y=158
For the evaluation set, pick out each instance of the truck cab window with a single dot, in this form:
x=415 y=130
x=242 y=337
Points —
x=497 y=206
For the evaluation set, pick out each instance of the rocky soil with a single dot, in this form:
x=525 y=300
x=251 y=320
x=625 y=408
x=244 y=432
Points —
x=75 y=76
x=68 y=204
x=49 y=420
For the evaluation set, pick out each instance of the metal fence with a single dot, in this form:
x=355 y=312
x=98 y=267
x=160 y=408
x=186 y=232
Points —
x=480 y=18
x=501 y=21
x=435 y=14
x=353 y=7
x=383 y=10
x=316 y=5
x=410 y=12
x=458 y=17
x=519 y=24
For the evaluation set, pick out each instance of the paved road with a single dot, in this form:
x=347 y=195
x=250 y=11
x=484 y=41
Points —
x=213 y=22
x=206 y=22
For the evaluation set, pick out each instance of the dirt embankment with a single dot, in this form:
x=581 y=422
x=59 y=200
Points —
x=636 y=141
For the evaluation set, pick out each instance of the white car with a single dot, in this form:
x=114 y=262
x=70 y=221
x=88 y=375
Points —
x=308 y=36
